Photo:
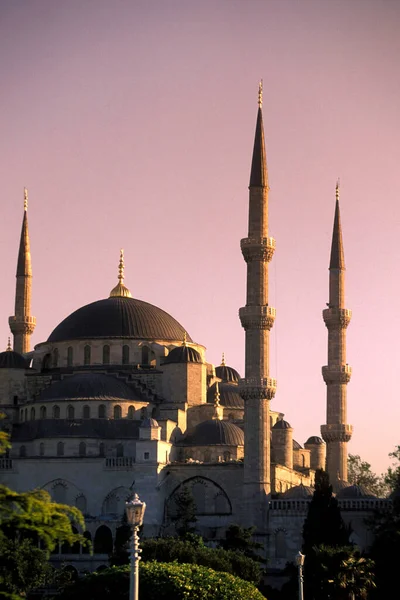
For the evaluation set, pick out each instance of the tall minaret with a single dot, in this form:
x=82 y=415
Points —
x=22 y=323
x=257 y=318
x=337 y=373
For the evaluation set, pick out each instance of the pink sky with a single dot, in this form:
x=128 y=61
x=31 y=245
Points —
x=131 y=123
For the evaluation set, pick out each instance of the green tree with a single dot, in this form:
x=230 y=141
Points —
x=162 y=582
x=360 y=473
x=23 y=566
x=240 y=539
x=392 y=475
x=185 y=515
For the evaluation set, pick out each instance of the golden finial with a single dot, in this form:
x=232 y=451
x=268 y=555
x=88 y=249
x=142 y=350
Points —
x=184 y=338
x=216 y=401
x=9 y=349
x=337 y=190
x=25 y=199
x=223 y=363
x=120 y=290
x=260 y=93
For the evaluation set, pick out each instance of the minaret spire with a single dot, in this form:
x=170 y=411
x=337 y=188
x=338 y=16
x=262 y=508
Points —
x=337 y=373
x=257 y=318
x=22 y=324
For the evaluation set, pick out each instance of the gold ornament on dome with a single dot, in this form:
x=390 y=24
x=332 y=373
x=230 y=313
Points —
x=120 y=290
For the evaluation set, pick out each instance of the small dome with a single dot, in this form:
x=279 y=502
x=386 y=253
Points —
x=227 y=374
x=296 y=445
x=228 y=395
x=89 y=386
x=12 y=360
x=339 y=485
x=354 y=491
x=148 y=423
x=299 y=491
x=315 y=440
x=214 y=433
x=281 y=424
x=183 y=354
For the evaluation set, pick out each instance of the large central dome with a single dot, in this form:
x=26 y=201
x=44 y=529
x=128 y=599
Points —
x=117 y=317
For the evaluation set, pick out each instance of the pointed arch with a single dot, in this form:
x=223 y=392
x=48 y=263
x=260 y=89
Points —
x=103 y=540
x=106 y=354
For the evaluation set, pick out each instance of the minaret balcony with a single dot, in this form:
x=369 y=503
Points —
x=336 y=318
x=336 y=373
x=258 y=388
x=257 y=248
x=257 y=317
x=336 y=432
x=24 y=324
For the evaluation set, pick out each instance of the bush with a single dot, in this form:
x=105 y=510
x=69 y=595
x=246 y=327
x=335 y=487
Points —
x=163 y=581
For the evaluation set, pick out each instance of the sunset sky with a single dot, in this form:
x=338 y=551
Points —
x=131 y=123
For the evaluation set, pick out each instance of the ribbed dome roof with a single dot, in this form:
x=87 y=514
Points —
x=89 y=386
x=214 y=433
x=148 y=423
x=314 y=439
x=281 y=424
x=12 y=360
x=119 y=317
x=183 y=354
x=227 y=374
x=299 y=491
x=355 y=491
x=296 y=445
x=228 y=395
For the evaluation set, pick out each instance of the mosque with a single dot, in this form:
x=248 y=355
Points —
x=120 y=399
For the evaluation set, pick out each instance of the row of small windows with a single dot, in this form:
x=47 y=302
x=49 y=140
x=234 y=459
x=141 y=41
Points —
x=53 y=360
x=86 y=412
x=81 y=450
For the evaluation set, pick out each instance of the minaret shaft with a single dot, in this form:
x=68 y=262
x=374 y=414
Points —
x=257 y=318
x=336 y=432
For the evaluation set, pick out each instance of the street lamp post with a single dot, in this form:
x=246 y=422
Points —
x=300 y=563
x=134 y=514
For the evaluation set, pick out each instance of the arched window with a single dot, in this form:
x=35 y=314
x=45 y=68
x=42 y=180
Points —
x=102 y=449
x=41 y=449
x=120 y=450
x=227 y=456
x=32 y=414
x=55 y=357
x=81 y=503
x=117 y=412
x=145 y=355
x=143 y=413
x=87 y=352
x=102 y=411
x=70 y=356
x=280 y=544
x=86 y=412
x=131 y=412
x=106 y=354
x=21 y=416
x=43 y=412
x=70 y=412
x=60 y=449
x=303 y=460
x=82 y=449
x=26 y=414
x=125 y=355
x=103 y=541
x=56 y=412
x=46 y=364
x=22 y=451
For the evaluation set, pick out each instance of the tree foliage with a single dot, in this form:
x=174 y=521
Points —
x=162 y=582
x=23 y=566
x=185 y=513
x=240 y=539
x=360 y=473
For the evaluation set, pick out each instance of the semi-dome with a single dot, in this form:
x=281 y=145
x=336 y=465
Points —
x=299 y=491
x=148 y=423
x=183 y=354
x=89 y=386
x=12 y=360
x=352 y=492
x=119 y=317
x=315 y=440
x=214 y=433
x=281 y=424
x=228 y=395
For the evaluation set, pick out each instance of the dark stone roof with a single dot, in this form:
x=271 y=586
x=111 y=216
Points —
x=214 y=433
x=296 y=445
x=182 y=354
x=299 y=491
x=148 y=423
x=315 y=440
x=227 y=374
x=228 y=395
x=13 y=360
x=281 y=424
x=89 y=386
x=259 y=175
x=354 y=491
x=90 y=428
x=118 y=317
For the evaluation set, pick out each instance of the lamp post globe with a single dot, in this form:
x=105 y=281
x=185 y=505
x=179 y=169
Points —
x=135 y=510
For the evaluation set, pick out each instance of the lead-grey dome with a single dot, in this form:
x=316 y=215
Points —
x=227 y=374
x=119 y=317
x=214 y=433
x=12 y=360
x=89 y=386
x=296 y=445
x=299 y=491
x=228 y=395
x=148 y=423
x=354 y=491
x=315 y=440
x=183 y=354
x=281 y=424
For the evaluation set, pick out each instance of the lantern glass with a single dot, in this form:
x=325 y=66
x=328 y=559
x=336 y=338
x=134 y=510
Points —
x=135 y=511
x=300 y=559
